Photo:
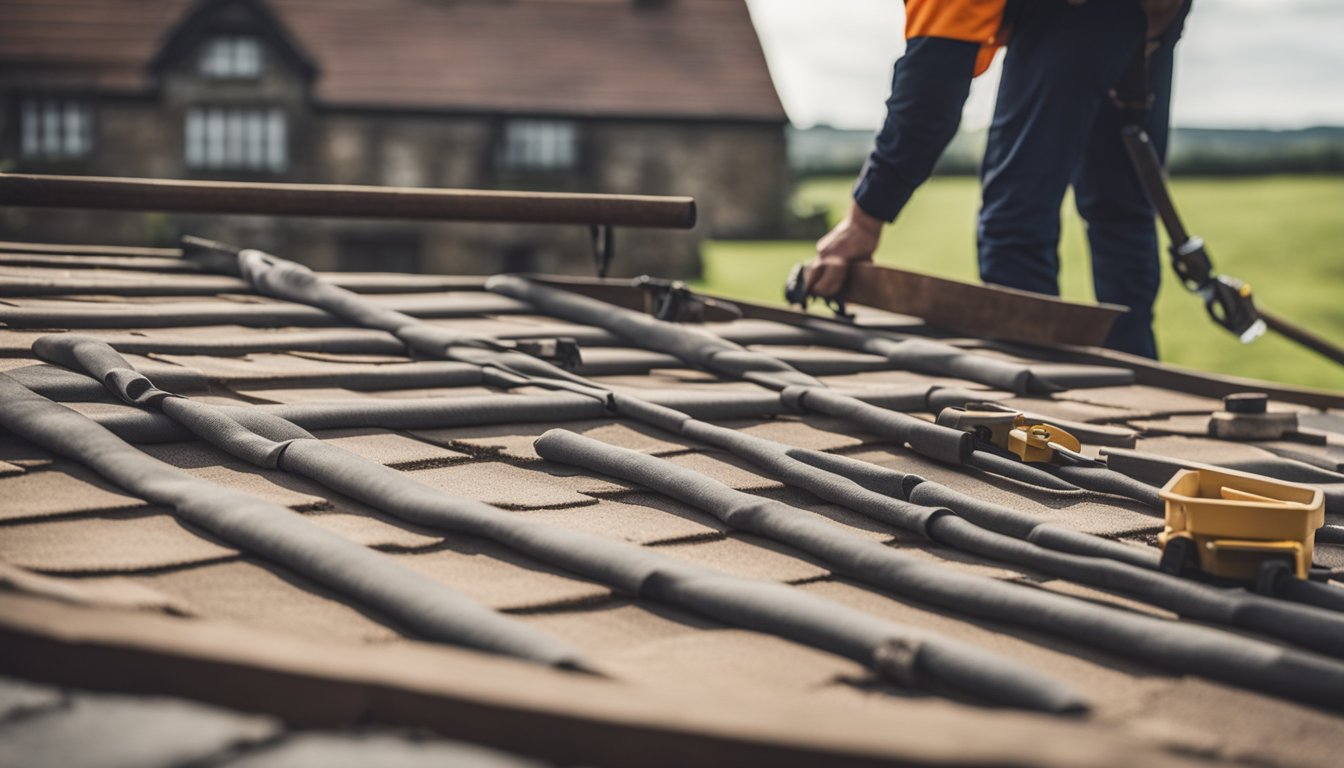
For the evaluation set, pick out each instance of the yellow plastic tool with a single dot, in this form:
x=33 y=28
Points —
x=1038 y=442
x=1235 y=522
x=1012 y=431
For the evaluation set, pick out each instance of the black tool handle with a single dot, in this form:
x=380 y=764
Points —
x=1303 y=336
x=1149 y=169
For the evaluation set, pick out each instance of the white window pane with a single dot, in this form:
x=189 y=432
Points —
x=211 y=58
x=540 y=144
x=214 y=138
x=231 y=56
x=549 y=142
x=277 y=141
x=247 y=57
x=567 y=149
x=195 y=139
x=31 y=132
x=74 y=130
x=51 y=128
x=256 y=139
x=233 y=132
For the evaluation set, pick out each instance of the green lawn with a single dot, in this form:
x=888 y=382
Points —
x=1284 y=235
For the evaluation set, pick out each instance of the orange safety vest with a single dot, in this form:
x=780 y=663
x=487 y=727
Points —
x=973 y=21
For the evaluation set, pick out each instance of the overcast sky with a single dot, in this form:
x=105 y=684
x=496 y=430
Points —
x=1241 y=64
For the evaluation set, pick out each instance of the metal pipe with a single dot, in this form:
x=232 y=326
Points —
x=343 y=201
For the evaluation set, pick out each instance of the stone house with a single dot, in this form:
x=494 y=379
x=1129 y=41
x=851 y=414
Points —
x=618 y=96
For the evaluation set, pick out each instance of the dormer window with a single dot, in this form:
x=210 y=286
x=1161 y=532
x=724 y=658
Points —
x=231 y=57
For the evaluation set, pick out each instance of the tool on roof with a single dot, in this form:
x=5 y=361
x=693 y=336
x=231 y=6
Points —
x=795 y=293
x=1230 y=302
x=1238 y=525
x=940 y=397
x=670 y=300
x=1246 y=416
x=981 y=310
x=1031 y=441
x=564 y=351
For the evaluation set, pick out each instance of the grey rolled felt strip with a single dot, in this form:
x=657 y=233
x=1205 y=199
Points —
x=279 y=535
x=410 y=375
x=1327 y=457
x=1310 y=592
x=274 y=443
x=943 y=444
x=938 y=358
x=1022 y=525
x=442 y=412
x=67 y=386
x=1177 y=646
x=1021 y=472
x=693 y=345
x=1104 y=480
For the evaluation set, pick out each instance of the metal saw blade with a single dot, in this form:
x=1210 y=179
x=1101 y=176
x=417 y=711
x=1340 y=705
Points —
x=981 y=310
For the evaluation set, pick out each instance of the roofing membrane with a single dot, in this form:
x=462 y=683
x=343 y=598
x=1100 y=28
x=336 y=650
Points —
x=680 y=598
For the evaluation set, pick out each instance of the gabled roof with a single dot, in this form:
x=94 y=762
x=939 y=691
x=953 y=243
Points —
x=253 y=16
x=678 y=58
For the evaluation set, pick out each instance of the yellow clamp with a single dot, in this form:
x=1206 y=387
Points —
x=1235 y=522
x=1037 y=442
x=1011 y=431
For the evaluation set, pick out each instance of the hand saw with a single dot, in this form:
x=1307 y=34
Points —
x=979 y=310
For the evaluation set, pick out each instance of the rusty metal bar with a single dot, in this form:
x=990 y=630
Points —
x=184 y=196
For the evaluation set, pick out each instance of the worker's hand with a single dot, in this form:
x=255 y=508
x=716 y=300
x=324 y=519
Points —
x=853 y=239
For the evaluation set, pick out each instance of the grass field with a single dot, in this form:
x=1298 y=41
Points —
x=1284 y=235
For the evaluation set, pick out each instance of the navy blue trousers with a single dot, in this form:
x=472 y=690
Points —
x=1053 y=126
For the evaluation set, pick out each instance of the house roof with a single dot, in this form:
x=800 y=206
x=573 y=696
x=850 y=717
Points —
x=105 y=587
x=679 y=58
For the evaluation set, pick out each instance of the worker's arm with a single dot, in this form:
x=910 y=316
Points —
x=929 y=87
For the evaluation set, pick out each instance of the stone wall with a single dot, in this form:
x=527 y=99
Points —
x=737 y=173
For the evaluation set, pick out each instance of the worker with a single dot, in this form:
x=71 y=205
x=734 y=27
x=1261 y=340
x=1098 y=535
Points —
x=1056 y=122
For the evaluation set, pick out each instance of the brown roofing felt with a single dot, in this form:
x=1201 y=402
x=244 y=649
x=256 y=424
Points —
x=101 y=589
x=679 y=58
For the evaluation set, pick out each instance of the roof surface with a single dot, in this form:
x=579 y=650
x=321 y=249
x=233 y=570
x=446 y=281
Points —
x=105 y=590
x=680 y=58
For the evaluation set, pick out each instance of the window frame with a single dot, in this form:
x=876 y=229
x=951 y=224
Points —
x=54 y=127
x=540 y=145
x=236 y=138
x=221 y=57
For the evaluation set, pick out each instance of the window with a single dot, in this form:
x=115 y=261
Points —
x=231 y=56
x=549 y=145
x=55 y=128
x=237 y=138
